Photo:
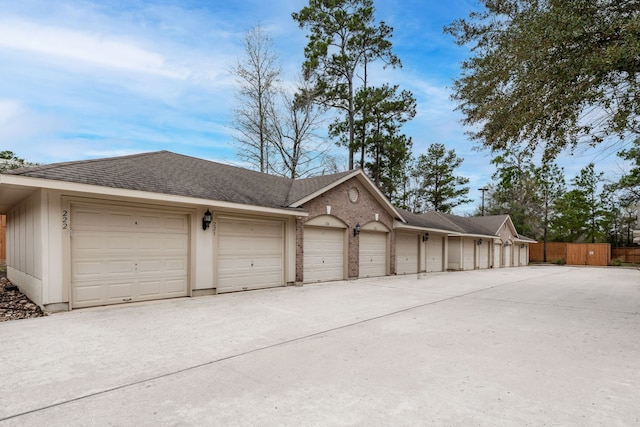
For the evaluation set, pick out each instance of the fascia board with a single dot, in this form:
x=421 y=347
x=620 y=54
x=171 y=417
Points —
x=324 y=189
x=30 y=182
x=401 y=226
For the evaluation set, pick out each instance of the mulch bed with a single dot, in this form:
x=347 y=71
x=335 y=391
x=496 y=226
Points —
x=14 y=304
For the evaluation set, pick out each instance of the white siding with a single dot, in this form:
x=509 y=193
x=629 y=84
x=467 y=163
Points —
x=24 y=247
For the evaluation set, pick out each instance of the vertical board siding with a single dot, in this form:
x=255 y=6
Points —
x=3 y=239
x=626 y=254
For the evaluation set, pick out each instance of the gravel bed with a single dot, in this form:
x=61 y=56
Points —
x=14 y=304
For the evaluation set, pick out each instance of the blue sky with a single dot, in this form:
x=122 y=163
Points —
x=84 y=79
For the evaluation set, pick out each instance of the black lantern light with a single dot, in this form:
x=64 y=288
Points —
x=206 y=220
x=356 y=229
x=425 y=237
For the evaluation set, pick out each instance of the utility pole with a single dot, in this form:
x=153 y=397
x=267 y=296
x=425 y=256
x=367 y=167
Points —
x=483 y=190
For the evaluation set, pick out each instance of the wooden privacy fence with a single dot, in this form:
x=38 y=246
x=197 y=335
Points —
x=572 y=253
x=3 y=239
x=626 y=254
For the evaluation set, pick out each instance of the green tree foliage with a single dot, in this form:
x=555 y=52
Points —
x=618 y=217
x=515 y=191
x=438 y=188
x=629 y=184
x=384 y=150
x=343 y=40
x=580 y=210
x=9 y=160
x=551 y=186
x=550 y=74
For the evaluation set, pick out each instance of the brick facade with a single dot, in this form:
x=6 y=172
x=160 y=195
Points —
x=351 y=213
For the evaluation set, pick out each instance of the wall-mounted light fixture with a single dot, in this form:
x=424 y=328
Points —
x=522 y=246
x=356 y=229
x=425 y=237
x=479 y=242
x=328 y=210
x=206 y=220
x=377 y=216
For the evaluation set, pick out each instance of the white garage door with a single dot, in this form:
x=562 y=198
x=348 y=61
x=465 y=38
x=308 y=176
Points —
x=323 y=254
x=250 y=255
x=507 y=255
x=483 y=254
x=407 y=253
x=434 y=254
x=497 y=255
x=373 y=254
x=121 y=254
x=468 y=254
x=516 y=255
x=524 y=257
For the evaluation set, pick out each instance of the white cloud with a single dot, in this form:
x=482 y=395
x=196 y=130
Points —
x=18 y=124
x=94 y=48
x=9 y=110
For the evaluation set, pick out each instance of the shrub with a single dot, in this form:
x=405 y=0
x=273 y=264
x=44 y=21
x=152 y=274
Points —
x=616 y=262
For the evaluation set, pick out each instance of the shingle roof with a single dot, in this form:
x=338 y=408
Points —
x=447 y=222
x=170 y=173
x=490 y=222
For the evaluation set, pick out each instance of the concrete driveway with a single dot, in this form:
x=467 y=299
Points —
x=540 y=345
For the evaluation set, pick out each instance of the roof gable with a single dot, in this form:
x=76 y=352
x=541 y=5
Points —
x=304 y=190
x=494 y=223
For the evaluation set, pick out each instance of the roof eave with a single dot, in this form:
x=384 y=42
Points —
x=36 y=183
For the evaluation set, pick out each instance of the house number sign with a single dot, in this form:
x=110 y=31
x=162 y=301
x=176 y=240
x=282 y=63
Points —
x=65 y=219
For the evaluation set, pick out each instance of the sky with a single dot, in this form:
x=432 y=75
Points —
x=91 y=79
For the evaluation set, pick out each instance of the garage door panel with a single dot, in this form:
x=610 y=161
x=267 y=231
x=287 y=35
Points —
x=150 y=288
x=87 y=219
x=497 y=255
x=112 y=265
x=373 y=254
x=434 y=257
x=468 y=255
x=120 y=291
x=406 y=253
x=175 y=286
x=250 y=255
x=483 y=255
x=323 y=254
x=89 y=294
